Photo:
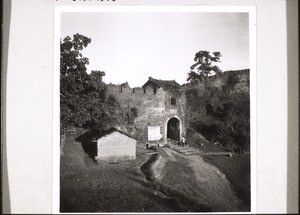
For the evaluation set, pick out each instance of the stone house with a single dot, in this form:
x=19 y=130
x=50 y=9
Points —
x=114 y=144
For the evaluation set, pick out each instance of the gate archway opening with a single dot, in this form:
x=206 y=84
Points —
x=173 y=129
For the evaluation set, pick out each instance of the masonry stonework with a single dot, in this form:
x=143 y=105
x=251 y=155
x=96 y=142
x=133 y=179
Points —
x=159 y=101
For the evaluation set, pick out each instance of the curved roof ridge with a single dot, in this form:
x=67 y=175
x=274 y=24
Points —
x=161 y=83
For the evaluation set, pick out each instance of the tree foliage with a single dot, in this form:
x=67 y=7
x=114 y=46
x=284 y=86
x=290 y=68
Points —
x=221 y=115
x=236 y=131
x=83 y=101
x=204 y=65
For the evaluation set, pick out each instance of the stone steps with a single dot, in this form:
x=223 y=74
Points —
x=186 y=150
x=190 y=150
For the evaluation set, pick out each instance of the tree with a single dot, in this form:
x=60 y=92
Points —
x=204 y=65
x=73 y=79
x=83 y=100
x=96 y=79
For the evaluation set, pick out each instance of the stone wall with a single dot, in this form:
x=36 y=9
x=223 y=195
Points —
x=221 y=81
x=154 y=104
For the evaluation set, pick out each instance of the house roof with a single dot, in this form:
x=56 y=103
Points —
x=104 y=133
x=94 y=135
x=162 y=83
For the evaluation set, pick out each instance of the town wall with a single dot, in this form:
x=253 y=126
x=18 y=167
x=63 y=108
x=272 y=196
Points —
x=154 y=104
x=221 y=81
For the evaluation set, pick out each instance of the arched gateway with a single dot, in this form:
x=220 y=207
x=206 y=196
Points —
x=173 y=129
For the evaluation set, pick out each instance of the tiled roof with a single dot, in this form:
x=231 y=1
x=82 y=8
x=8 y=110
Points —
x=162 y=83
x=104 y=133
x=94 y=135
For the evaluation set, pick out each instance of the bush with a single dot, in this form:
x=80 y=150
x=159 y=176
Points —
x=221 y=115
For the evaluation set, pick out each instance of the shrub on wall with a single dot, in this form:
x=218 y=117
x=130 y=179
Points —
x=221 y=114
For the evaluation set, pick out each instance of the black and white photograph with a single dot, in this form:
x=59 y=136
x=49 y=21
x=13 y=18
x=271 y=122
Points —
x=155 y=111
x=150 y=107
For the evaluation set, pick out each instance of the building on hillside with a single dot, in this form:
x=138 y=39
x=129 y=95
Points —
x=113 y=145
x=162 y=105
x=165 y=112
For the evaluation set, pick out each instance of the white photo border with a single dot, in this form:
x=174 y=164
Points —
x=58 y=10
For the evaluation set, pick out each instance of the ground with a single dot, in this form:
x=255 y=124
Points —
x=157 y=181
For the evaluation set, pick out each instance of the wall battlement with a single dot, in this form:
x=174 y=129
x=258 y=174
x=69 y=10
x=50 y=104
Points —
x=128 y=91
x=219 y=80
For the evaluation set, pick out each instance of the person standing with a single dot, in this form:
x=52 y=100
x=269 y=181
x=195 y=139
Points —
x=183 y=141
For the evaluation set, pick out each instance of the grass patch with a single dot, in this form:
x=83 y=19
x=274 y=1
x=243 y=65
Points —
x=237 y=171
x=181 y=184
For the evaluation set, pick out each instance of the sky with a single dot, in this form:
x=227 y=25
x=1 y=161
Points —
x=132 y=46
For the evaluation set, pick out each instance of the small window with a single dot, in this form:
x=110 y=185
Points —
x=173 y=101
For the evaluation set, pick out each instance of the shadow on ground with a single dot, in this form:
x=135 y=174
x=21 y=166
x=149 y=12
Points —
x=88 y=143
x=176 y=201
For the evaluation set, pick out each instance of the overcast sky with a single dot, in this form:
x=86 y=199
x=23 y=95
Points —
x=133 y=46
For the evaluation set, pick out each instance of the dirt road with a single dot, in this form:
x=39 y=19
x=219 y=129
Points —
x=195 y=184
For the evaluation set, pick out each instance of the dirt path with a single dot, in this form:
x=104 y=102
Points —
x=205 y=186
